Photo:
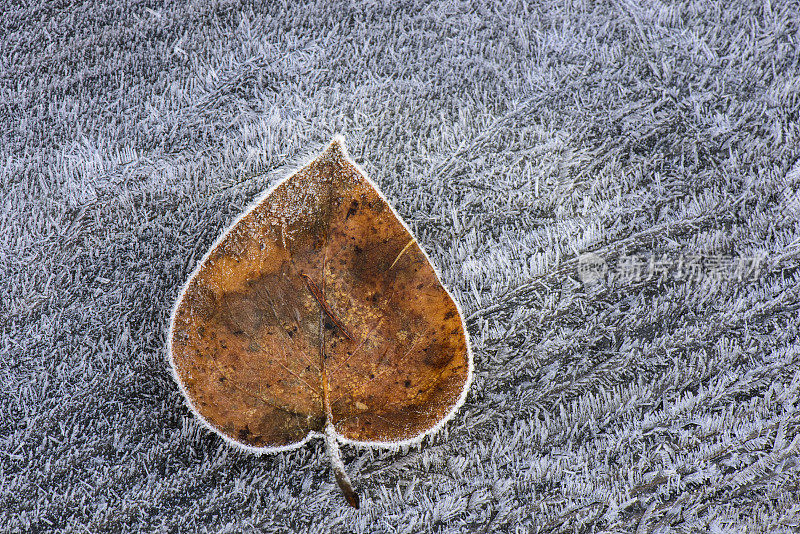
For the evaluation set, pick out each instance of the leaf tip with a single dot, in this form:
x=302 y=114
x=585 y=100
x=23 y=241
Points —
x=337 y=147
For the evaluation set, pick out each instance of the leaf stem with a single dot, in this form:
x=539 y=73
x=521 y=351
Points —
x=338 y=466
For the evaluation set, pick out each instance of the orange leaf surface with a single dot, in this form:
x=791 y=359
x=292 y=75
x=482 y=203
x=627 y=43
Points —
x=315 y=313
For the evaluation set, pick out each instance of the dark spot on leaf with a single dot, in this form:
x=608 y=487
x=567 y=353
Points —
x=352 y=210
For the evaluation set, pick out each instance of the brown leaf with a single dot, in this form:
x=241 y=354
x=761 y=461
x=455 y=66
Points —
x=318 y=313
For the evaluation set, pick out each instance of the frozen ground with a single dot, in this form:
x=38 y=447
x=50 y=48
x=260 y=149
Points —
x=514 y=137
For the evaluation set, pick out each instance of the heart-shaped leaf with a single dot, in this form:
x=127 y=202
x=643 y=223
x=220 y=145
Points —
x=317 y=314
